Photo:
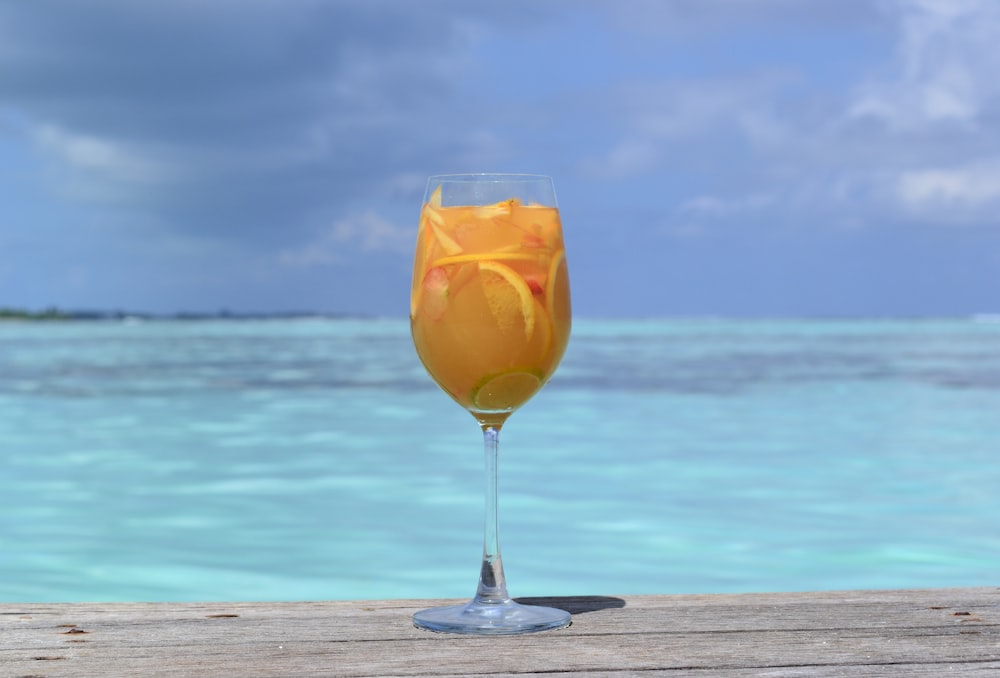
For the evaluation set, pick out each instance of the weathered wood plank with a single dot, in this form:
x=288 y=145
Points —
x=859 y=633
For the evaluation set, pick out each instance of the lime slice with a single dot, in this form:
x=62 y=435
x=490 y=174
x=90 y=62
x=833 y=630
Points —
x=509 y=297
x=505 y=391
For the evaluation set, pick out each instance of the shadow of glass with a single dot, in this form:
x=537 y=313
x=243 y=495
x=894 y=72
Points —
x=575 y=604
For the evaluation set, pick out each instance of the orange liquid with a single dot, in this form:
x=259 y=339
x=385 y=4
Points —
x=490 y=306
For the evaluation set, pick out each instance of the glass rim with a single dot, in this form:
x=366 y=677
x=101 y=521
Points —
x=461 y=177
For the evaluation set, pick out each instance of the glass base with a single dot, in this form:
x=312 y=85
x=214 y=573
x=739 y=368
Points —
x=504 y=618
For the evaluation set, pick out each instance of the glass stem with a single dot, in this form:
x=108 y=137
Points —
x=492 y=584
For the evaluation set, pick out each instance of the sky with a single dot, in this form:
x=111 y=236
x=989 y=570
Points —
x=744 y=158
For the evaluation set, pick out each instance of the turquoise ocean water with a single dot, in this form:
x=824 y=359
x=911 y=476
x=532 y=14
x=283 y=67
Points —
x=314 y=459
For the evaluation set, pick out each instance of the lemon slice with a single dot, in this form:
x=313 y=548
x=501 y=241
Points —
x=558 y=260
x=488 y=256
x=432 y=215
x=437 y=223
x=505 y=391
x=508 y=296
x=447 y=243
x=498 y=209
x=435 y=199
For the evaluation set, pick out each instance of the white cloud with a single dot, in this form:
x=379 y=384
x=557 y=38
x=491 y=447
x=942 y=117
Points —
x=367 y=231
x=704 y=214
x=716 y=206
x=946 y=65
x=656 y=116
x=629 y=157
x=934 y=153
x=707 y=205
x=953 y=193
x=687 y=18
x=910 y=137
x=92 y=153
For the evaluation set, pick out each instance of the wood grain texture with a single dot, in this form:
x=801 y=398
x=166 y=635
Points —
x=846 y=633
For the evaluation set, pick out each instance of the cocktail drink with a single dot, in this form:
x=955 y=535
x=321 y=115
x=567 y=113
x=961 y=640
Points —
x=490 y=318
x=490 y=307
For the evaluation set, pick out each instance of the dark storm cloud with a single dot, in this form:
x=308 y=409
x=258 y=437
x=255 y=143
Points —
x=239 y=115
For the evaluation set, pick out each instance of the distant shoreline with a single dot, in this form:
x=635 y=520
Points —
x=53 y=314
x=57 y=315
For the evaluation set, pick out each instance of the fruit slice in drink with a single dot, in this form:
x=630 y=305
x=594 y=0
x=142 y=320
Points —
x=509 y=298
x=506 y=391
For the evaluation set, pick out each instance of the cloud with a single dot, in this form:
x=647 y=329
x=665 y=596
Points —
x=367 y=231
x=630 y=157
x=927 y=121
x=910 y=139
x=262 y=140
x=89 y=153
x=853 y=149
x=242 y=117
x=715 y=206
x=946 y=65
x=694 y=19
x=659 y=117
x=951 y=194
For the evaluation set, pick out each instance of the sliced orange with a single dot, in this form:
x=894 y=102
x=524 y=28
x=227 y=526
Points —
x=509 y=297
x=557 y=302
x=543 y=330
x=485 y=256
x=557 y=276
x=505 y=391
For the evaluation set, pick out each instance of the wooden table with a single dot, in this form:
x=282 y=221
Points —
x=853 y=633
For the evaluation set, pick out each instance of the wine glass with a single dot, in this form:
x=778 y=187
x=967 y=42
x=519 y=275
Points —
x=490 y=319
